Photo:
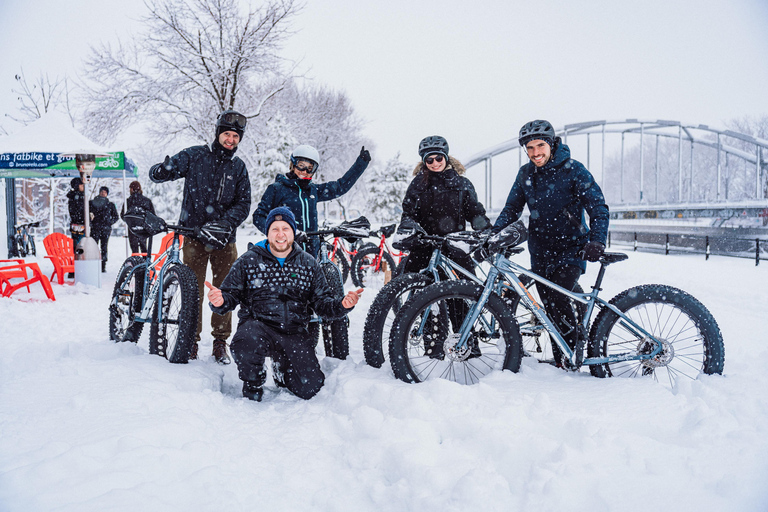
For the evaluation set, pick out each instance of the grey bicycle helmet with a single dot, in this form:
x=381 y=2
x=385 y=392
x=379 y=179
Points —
x=538 y=129
x=433 y=144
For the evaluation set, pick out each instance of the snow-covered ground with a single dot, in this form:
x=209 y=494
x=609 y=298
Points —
x=89 y=425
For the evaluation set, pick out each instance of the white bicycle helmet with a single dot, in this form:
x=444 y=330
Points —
x=307 y=153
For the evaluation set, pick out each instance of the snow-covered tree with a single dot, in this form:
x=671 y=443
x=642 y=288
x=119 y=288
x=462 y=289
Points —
x=386 y=189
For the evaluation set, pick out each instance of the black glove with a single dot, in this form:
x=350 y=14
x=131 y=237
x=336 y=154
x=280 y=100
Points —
x=167 y=165
x=214 y=234
x=592 y=251
x=365 y=154
x=300 y=237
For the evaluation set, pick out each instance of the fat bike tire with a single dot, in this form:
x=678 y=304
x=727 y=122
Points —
x=341 y=261
x=335 y=332
x=173 y=336
x=381 y=315
x=692 y=341
x=31 y=248
x=126 y=301
x=495 y=334
x=361 y=265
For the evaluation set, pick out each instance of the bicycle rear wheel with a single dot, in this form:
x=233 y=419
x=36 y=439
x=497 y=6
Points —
x=127 y=301
x=335 y=332
x=426 y=348
x=173 y=335
x=364 y=272
x=690 y=337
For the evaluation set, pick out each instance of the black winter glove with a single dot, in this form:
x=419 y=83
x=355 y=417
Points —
x=167 y=165
x=300 y=237
x=365 y=154
x=592 y=251
x=214 y=234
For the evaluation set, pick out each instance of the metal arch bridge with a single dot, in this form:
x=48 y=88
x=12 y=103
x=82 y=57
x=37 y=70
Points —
x=751 y=152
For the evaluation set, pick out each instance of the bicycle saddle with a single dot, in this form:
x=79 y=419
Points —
x=612 y=257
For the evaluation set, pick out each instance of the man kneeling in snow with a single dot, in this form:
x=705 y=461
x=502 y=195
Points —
x=275 y=282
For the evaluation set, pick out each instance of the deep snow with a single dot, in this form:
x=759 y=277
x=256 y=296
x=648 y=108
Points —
x=89 y=425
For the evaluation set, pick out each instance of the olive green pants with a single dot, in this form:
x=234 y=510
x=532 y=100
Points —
x=196 y=257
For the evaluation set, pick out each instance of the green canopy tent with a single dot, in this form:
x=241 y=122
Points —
x=37 y=151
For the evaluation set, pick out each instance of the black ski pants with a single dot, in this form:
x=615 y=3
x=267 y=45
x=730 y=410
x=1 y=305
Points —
x=293 y=355
x=558 y=306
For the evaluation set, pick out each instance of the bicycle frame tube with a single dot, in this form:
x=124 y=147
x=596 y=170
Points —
x=510 y=270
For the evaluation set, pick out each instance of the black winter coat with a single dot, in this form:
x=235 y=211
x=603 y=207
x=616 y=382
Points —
x=104 y=215
x=303 y=201
x=282 y=297
x=216 y=185
x=557 y=196
x=444 y=202
x=138 y=201
x=76 y=206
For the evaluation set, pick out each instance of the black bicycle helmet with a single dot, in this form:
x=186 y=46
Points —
x=433 y=144
x=233 y=121
x=538 y=129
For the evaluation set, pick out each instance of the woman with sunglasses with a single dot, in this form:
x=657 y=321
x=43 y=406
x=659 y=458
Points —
x=441 y=200
x=300 y=194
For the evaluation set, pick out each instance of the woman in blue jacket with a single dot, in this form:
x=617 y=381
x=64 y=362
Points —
x=300 y=194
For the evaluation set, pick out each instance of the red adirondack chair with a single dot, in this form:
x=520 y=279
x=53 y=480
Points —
x=17 y=269
x=61 y=252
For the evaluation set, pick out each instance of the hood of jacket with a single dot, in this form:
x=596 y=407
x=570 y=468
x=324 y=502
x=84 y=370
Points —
x=452 y=163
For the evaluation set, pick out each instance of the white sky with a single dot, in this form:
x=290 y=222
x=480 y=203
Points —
x=471 y=71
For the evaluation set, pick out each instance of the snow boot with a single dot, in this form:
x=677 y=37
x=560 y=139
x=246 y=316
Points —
x=193 y=352
x=220 y=352
x=252 y=391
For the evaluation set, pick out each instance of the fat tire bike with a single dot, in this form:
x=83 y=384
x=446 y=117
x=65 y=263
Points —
x=162 y=292
x=652 y=331
x=335 y=332
x=369 y=262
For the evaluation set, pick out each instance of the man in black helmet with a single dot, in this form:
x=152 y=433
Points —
x=217 y=199
x=558 y=190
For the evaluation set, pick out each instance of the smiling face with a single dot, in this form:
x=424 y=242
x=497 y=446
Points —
x=229 y=139
x=539 y=152
x=280 y=237
x=304 y=169
x=435 y=162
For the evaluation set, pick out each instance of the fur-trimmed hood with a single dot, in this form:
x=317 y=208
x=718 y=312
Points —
x=452 y=162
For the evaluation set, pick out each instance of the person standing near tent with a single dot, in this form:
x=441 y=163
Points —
x=103 y=215
x=300 y=194
x=217 y=199
x=137 y=201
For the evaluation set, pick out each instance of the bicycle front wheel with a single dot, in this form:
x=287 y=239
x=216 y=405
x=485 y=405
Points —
x=31 y=249
x=423 y=343
x=367 y=269
x=335 y=332
x=172 y=335
x=690 y=337
x=127 y=301
x=340 y=261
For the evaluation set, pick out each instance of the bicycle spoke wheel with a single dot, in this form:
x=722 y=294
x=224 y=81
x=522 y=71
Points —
x=425 y=340
x=173 y=335
x=126 y=301
x=368 y=270
x=690 y=337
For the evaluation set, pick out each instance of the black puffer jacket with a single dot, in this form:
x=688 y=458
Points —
x=557 y=196
x=281 y=296
x=138 y=201
x=216 y=185
x=443 y=202
x=76 y=206
x=104 y=215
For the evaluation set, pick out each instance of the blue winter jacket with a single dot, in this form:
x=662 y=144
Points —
x=557 y=196
x=303 y=201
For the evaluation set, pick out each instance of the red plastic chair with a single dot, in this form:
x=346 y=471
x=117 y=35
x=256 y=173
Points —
x=12 y=269
x=61 y=252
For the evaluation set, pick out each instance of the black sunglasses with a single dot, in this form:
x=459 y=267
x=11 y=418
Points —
x=309 y=169
x=436 y=158
x=235 y=119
